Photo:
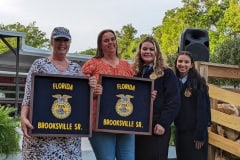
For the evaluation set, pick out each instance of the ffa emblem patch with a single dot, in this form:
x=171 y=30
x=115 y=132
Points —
x=124 y=106
x=61 y=108
x=187 y=93
x=153 y=76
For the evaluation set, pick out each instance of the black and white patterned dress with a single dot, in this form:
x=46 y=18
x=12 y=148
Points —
x=50 y=148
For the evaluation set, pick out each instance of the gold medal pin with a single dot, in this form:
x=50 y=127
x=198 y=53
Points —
x=187 y=93
x=153 y=76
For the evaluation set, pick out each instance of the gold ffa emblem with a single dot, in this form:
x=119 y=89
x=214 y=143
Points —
x=153 y=76
x=61 y=108
x=124 y=106
x=187 y=93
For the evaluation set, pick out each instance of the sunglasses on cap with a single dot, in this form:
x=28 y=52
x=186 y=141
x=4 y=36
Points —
x=61 y=39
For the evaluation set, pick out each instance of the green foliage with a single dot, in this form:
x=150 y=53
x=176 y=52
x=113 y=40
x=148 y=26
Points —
x=231 y=18
x=194 y=14
x=91 y=51
x=227 y=53
x=4 y=48
x=214 y=16
x=34 y=37
x=125 y=37
x=132 y=48
x=171 y=59
x=219 y=17
x=9 y=138
x=130 y=51
x=226 y=27
x=168 y=33
x=172 y=138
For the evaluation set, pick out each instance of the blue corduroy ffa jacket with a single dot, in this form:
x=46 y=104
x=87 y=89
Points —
x=194 y=114
x=167 y=102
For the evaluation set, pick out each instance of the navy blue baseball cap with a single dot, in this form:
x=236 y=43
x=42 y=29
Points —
x=61 y=32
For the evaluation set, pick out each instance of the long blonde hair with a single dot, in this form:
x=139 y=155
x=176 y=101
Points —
x=159 y=63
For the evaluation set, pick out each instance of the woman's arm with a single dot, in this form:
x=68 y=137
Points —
x=25 y=123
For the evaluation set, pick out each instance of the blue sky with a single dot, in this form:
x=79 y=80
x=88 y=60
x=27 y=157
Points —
x=86 y=18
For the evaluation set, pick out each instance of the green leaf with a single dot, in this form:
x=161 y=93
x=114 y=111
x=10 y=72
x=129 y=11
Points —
x=9 y=137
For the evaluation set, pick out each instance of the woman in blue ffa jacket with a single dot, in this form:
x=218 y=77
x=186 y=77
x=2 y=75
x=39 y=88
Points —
x=194 y=116
x=149 y=63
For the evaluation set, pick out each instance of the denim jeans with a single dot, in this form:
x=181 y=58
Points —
x=108 y=146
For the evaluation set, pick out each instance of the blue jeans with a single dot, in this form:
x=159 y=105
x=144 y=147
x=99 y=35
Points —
x=108 y=146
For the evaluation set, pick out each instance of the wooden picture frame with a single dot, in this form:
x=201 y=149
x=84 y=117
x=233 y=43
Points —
x=61 y=105
x=125 y=105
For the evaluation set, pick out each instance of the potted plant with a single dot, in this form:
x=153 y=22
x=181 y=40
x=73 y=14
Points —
x=9 y=137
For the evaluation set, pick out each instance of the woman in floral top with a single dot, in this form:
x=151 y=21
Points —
x=108 y=146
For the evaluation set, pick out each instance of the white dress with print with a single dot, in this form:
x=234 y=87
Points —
x=50 y=148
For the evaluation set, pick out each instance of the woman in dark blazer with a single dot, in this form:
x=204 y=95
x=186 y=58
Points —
x=191 y=135
x=149 y=63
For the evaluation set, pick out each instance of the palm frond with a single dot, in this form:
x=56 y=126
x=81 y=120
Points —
x=9 y=137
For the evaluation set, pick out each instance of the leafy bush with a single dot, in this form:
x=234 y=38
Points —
x=170 y=59
x=227 y=53
x=9 y=138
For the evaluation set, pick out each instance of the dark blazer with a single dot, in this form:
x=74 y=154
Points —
x=167 y=102
x=194 y=115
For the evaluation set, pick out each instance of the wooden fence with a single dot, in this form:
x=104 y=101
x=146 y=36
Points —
x=224 y=95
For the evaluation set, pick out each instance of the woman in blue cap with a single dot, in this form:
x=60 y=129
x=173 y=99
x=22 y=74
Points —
x=49 y=148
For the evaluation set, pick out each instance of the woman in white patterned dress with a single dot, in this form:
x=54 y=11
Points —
x=51 y=148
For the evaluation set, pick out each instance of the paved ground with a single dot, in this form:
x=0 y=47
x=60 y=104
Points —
x=87 y=153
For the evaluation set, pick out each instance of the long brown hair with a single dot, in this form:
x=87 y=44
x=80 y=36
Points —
x=99 y=53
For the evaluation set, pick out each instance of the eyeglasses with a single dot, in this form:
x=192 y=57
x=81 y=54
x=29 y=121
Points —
x=61 y=39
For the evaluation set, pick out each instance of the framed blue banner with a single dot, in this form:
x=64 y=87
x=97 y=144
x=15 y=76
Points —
x=61 y=105
x=125 y=105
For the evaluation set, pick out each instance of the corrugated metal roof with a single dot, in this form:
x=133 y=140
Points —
x=12 y=34
x=28 y=54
